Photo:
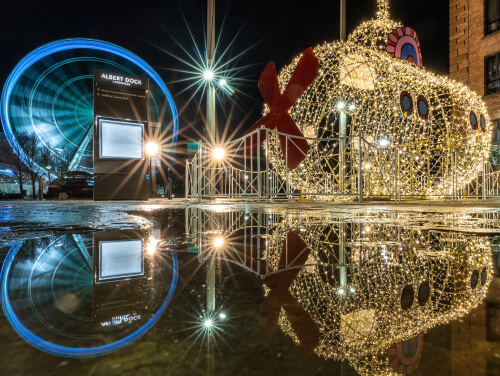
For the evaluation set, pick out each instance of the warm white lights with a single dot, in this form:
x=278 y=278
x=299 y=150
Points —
x=218 y=153
x=152 y=148
x=384 y=142
x=397 y=107
x=151 y=246
x=218 y=242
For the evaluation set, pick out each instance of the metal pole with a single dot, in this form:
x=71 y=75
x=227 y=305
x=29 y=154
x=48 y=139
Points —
x=455 y=188
x=342 y=134
x=200 y=176
x=187 y=179
x=40 y=188
x=211 y=136
x=484 y=179
x=268 y=174
x=259 y=185
x=360 y=173
x=150 y=179
x=342 y=255
x=343 y=23
x=395 y=173
x=211 y=283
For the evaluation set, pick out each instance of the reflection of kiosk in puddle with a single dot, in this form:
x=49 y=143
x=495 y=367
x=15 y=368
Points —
x=121 y=266
x=84 y=295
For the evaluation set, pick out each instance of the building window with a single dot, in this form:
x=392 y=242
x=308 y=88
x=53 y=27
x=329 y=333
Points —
x=492 y=74
x=495 y=139
x=492 y=16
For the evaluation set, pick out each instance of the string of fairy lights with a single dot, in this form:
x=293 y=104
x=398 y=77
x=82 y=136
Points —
x=437 y=130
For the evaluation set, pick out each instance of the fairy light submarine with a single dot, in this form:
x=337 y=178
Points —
x=377 y=80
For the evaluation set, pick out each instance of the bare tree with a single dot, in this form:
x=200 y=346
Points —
x=57 y=164
x=33 y=153
x=17 y=162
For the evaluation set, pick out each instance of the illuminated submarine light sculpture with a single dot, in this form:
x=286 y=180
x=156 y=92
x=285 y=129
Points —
x=377 y=79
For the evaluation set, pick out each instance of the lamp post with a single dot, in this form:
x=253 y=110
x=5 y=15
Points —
x=152 y=150
x=209 y=77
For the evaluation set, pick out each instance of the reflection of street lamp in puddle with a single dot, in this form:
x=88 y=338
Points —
x=152 y=149
x=151 y=246
x=218 y=242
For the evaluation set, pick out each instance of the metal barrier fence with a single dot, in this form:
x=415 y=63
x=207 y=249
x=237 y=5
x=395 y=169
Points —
x=342 y=168
x=256 y=240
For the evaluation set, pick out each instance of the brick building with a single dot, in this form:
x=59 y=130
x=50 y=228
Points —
x=475 y=51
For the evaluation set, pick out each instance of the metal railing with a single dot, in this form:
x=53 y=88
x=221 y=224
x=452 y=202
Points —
x=338 y=168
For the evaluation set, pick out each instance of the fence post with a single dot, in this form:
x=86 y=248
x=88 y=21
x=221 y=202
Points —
x=453 y=176
x=200 y=176
x=399 y=175
x=395 y=173
x=259 y=188
x=186 y=185
x=360 y=173
x=268 y=175
x=40 y=188
x=484 y=179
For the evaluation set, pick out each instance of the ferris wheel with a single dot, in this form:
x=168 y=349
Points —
x=50 y=94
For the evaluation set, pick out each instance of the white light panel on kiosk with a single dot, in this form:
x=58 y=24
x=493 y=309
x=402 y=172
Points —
x=121 y=139
x=121 y=259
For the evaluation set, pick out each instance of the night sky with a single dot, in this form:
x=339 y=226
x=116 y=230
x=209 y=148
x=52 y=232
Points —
x=270 y=29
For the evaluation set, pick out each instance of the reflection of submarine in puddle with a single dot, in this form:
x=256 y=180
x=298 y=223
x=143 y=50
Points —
x=78 y=295
x=353 y=291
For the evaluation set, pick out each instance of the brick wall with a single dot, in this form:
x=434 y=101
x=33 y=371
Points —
x=467 y=335
x=469 y=46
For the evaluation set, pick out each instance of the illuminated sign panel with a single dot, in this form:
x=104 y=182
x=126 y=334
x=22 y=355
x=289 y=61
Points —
x=121 y=139
x=121 y=259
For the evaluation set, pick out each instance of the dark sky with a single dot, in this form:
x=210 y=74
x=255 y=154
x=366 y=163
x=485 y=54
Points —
x=281 y=29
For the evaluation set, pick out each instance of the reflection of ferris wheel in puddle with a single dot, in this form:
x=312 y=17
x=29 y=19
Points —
x=49 y=299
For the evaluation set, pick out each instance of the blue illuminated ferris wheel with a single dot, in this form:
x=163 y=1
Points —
x=49 y=93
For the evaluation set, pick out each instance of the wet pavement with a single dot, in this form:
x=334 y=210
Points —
x=219 y=288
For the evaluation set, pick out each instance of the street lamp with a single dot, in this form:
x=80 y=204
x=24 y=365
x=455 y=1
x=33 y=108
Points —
x=208 y=75
x=218 y=153
x=152 y=149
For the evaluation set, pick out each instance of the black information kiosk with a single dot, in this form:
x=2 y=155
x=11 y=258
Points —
x=120 y=130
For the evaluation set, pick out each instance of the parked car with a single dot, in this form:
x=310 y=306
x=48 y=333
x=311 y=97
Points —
x=71 y=187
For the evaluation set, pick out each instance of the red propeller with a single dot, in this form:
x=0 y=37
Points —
x=295 y=150
x=295 y=252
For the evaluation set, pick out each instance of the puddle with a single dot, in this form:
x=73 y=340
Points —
x=221 y=292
